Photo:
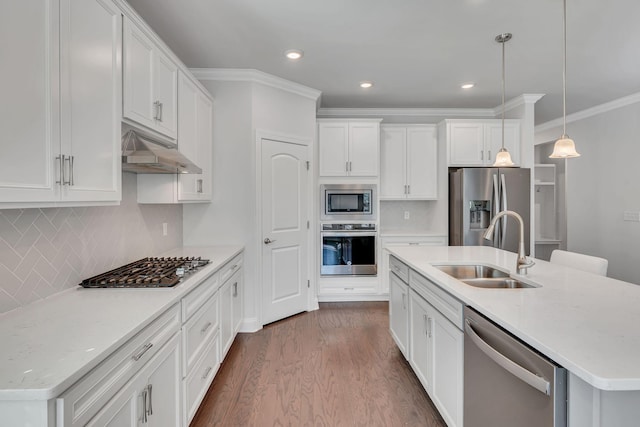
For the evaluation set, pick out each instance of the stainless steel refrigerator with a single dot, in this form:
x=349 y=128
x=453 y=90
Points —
x=476 y=195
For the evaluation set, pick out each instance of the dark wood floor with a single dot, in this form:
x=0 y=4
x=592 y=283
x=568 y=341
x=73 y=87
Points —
x=337 y=366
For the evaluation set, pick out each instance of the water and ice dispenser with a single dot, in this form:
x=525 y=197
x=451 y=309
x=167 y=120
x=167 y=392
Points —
x=479 y=213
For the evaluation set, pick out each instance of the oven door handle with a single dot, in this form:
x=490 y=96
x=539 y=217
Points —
x=535 y=381
x=348 y=234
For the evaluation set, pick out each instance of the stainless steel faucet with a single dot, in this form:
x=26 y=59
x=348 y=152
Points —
x=523 y=263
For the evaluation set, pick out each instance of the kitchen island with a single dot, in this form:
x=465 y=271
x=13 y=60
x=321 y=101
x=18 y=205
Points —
x=585 y=323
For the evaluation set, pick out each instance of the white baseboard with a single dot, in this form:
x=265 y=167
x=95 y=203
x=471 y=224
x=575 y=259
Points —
x=352 y=298
x=250 y=325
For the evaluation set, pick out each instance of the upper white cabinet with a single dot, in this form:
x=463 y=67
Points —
x=349 y=147
x=195 y=139
x=61 y=103
x=150 y=83
x=476 y=142
x=408 y=162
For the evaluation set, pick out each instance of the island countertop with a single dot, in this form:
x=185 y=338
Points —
x=584 y=322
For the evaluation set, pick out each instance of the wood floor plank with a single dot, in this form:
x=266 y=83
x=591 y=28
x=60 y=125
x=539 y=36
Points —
x=337 y=366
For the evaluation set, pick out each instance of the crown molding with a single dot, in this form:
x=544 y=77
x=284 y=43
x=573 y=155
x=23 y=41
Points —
x=527 y=98
x=590 y=112
x=255 y=76
x=413 y=112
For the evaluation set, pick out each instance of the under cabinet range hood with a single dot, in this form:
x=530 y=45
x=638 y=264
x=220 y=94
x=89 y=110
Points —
x=141 y=154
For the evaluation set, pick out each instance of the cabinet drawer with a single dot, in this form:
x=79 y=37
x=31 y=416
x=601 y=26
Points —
x=399 y=268
x=85 y=398
x=196 y=298
x=197 y=382
x=197 y=331
x=444 y=302
x=230 y=268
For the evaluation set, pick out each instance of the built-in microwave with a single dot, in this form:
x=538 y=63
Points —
x=348 y=202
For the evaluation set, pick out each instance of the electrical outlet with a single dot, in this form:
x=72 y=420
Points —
x=164 y=228
x=633 y=216
x=407 y=215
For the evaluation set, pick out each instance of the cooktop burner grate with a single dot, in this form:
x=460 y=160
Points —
x=146 y=273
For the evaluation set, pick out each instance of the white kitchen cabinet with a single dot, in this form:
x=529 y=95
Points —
x=195 y=139
x=409 y=162
x=62 y=107
x=476 y=142
x=349 y=147
x=152 y=397
x=420 y=337
x=399 y=312
x=150 y=83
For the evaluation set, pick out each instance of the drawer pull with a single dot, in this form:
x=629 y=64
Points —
x=206 y=373
x=146 y=348
x=235 y=289
x=205 y=327
x=144 y=406
x=150 y=388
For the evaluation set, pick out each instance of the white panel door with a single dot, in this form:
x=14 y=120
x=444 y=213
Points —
x=138 y=83
x=164 y=386
x=392 y=163
x=165 y=78
x=363 y=149
x=284 y=229
x=420 y=347
x=493 y=140
x=204 y=136
x=422 y=163
x=187 y=135
x=399 y=312
x=29 y=104
x=466 y=144
x=91 y=95
x=333 y=141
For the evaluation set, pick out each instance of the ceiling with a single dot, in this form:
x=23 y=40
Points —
x=417 y=52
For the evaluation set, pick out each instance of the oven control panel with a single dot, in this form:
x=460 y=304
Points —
x=349 y=227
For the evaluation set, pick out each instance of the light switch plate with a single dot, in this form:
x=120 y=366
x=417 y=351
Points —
x=633 y=216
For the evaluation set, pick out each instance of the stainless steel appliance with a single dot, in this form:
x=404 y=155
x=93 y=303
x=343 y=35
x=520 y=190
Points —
x=143 y=154
x=348 y=250
x=348 y=202
x=506 y=383
x=147 y=273
x=476 y=195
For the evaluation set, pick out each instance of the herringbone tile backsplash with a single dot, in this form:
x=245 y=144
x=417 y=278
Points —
x=45 y=251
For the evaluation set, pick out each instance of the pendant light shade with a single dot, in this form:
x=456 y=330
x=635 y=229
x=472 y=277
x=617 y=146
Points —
x=503 y=158
x=564 y=148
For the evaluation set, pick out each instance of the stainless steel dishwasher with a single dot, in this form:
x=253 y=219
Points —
x=506 y=383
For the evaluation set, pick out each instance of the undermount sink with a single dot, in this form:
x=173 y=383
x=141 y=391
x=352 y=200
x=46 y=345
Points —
x=482 y=276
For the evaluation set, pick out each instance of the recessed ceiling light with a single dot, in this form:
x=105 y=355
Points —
x=366 y=84
x=467 y=85
x=294 y=54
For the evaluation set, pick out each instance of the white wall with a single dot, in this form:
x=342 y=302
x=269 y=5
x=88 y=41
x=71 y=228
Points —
x=46 y=251
x=602 y=184
x=239 y=109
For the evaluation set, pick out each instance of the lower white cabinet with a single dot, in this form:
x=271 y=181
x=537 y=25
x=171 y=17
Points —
x=421 y=347
x=399 y=312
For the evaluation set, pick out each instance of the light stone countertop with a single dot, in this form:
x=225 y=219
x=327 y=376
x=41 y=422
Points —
x=50 y=344
x=586 y=323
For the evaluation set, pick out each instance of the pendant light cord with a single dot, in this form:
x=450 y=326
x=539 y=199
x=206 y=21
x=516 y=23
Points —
x=503 y=43
x=564 y=70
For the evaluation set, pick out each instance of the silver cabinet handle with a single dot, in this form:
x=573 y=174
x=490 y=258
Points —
x=71 y=158
x=489 y=155
x=60 y=160
x=146 y=348
x=539 y=383
x=409 y=189
x=429 y=326
x=346 y=166
x=199 y=186
x=268 y=241
x=235 y=289
x=404 y=303
x=150 y=388
x=161 y=107
x=206 y=373
x=482 y=155
x=350 y=166
x=205 y=327
x=426 y=326
x=144 y=406
x=156 y=106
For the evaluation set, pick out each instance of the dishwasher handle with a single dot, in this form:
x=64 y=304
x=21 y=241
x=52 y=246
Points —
x=535 y=381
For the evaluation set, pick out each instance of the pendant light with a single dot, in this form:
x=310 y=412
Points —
x=564 y=147
x=503 y=158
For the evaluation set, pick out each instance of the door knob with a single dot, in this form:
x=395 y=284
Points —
x=268 y=241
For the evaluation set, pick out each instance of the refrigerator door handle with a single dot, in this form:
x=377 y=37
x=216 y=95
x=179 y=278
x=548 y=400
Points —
x=496 y=208
x=503 y=194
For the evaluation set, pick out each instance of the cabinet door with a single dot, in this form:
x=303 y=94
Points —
x=164 y=398
x=420 y=347
x=422 y=163
x=29 y=113
x=236 y=295
x=493 y=138
x=364 y=139
x=333 y=148
x=448 y=362
x=124 y=409
x=399 y=312
x=226 y=317
x=466 y=144
x=393 y=159
x=165 y=81
x=187 y=135
x=138 y=63
x=204 y=138
x=91 y=99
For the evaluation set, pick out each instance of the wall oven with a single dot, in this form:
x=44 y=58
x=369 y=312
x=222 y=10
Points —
x=347 y=202
x=348 y=250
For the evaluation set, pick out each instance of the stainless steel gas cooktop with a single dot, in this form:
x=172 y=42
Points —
x=147 y=273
